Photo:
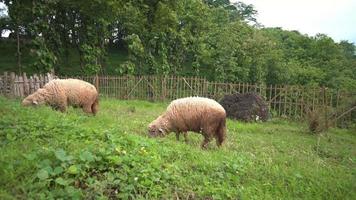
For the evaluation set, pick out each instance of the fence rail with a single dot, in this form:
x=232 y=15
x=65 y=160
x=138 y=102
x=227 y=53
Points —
x=284 y=100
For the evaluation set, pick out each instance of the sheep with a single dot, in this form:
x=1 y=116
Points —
x=60 y=93
x=197 y=114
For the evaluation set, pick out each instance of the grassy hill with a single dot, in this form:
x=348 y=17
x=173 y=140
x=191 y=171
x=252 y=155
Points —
x=47 y=154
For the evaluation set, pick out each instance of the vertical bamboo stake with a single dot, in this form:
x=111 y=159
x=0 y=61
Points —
x=127 y=88
x=214 y=90
x=140 y=88
x=313 y=100
x=26 y=86
x=301 y=114
x=118 y=87
x=30 y=85
x=158 y=90
x=274 y=99
x=286 y=92
x=97 y=82
x=162 y=89
x=191 y=90
x=177 y=87
x=270 y=92
x=337 y=104
x=184 y=91
x=182 y=87
x=279 y=101
x=137 y=89
x=123 y=87
x=40 y=80
x=12 y=83
x=21 y=86
x=107 y=86
x=16 y=89
x=197 y=86
x=296 y=101
x=114 y=86
x=169 y=88
x=165 y=79
x=239 y=88
x=5 y=83
x=226 y=88
x=325 y=108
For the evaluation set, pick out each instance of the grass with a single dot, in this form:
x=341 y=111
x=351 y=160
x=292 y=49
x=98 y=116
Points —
x=51 y=155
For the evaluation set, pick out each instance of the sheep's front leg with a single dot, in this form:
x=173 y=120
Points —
x=177 y=135
x=185 y=137
x=61 y=106
x=205 y=142
x=61 y=102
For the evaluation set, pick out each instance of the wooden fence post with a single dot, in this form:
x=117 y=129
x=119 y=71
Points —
x=97 y=82
x=164 y=90
x=12 y=84
x=21 y=86
x=25 y=83
x=325 y=108
x=5 y=83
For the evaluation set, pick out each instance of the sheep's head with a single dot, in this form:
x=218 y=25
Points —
x=157 y=128
x=156 y=131
x=34 y=99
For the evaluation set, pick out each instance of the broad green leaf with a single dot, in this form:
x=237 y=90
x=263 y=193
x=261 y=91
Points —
x=73 y=169
x=30 y=156
x=61 y=181
x=42 y=174
x=57 y=170
x=48 y=169
x=86 y=156
x=61 y=154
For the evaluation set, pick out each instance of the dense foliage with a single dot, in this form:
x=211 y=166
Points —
x=51 y=155
x=211 y=38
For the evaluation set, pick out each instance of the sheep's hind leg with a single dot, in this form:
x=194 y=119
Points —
x=87 y=109
x=177 y=136
x=62 y=108
x=205 y=142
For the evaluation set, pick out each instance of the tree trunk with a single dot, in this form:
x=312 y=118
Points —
x=18 y=50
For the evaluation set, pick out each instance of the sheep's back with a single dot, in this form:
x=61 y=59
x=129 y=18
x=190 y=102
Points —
x=191 y=112
x=76 y=91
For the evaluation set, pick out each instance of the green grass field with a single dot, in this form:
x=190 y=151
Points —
x=51 y=155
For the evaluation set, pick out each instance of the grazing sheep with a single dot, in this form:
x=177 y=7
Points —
x=198 y=114
x=60 y=93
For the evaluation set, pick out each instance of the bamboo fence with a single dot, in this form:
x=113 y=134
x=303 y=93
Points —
x=288 y=101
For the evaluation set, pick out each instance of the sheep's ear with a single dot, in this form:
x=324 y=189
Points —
x=35 y=102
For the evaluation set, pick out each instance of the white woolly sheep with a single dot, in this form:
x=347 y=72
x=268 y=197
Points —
x=198 y=114
x=60 y=93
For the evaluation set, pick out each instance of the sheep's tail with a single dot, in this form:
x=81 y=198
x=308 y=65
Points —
x=95 y=105
x=221 y=132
